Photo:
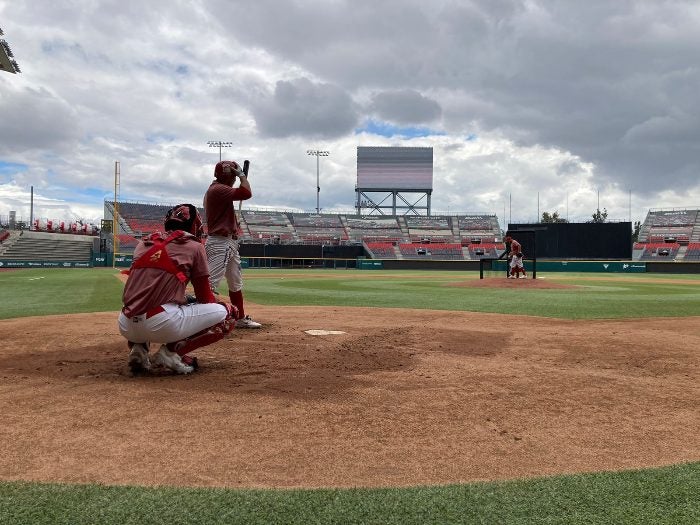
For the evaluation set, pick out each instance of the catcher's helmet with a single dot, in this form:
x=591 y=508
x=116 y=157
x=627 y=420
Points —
x=184 y=217
x=226 y=167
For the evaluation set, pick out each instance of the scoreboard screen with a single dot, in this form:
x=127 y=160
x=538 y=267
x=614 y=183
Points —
x=394 y=168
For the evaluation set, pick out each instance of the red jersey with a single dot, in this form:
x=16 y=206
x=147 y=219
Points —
x=147 y=288
x=218 y=207
x=515 y=247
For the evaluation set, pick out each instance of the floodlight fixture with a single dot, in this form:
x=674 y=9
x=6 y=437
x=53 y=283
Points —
x=219 y=144
x=317 y=153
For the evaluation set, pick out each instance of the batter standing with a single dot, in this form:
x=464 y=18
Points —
x=222 y=241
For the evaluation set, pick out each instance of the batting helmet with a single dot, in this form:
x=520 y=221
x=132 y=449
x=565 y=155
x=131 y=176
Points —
x=226 y=167
x=184 y=217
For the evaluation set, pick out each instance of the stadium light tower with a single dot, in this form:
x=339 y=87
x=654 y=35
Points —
x=317 y=153
x=7 y=61
x=219 y=144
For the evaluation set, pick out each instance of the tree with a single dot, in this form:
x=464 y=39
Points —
x=635 y=231
x=552 y=217
x=599 y=216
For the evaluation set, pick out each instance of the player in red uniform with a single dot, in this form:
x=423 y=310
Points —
x=515 y=257
x=222 y=240
x=155 y=305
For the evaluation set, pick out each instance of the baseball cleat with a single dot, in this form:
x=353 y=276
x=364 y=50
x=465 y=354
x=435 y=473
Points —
x=171 y=360
x=138 y=359
x=247 y=322
x=190 y=361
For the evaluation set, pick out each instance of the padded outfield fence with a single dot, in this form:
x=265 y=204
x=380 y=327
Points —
x=485 y=267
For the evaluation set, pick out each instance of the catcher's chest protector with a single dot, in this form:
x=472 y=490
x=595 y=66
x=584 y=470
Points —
x=157 y=256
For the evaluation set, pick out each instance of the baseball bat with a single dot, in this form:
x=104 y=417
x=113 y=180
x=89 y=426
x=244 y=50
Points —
x=246 y=167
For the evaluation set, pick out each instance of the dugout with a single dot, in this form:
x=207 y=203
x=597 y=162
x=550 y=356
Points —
x=566 y=240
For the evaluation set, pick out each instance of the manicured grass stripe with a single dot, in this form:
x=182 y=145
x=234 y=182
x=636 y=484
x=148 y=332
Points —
x=591 y=299
x=659 y=496
x=54 y=291
x=58 y=291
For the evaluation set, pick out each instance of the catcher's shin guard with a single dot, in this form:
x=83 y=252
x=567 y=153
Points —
x=205 y=337
x=237 y=301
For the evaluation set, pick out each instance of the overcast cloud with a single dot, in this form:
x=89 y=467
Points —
x=530 y=105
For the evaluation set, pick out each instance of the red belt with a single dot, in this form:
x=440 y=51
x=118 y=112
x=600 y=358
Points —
x=150 y=313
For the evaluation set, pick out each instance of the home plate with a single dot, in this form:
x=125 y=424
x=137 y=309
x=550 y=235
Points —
x=324 y=332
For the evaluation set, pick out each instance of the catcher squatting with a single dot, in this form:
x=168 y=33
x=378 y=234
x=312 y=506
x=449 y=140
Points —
x=156 y=306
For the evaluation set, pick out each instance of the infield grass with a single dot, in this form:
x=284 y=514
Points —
x=665 y=496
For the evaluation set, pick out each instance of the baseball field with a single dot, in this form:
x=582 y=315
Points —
x=367 y=397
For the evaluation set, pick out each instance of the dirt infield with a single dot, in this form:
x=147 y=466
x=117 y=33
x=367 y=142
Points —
x=403 y=397
x=514 y=284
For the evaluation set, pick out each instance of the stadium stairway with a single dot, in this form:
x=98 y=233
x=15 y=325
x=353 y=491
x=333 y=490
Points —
x=455 y=230
x=7 y=243
x=35 y=246
x=404 y=227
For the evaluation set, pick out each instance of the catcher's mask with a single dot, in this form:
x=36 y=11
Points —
x=184 y=217
x=227 y=167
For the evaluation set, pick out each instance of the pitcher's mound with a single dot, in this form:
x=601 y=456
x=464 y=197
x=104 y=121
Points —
x=502 y=282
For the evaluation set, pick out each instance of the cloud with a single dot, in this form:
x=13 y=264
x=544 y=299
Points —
x=406 y=106
x=518 y=98
x=303 y=108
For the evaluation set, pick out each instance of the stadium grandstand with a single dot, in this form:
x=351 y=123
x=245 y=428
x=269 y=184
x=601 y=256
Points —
x=444 y=237
x=669 y=234
x=665 y=234
x=46 y=242
x=46 y=247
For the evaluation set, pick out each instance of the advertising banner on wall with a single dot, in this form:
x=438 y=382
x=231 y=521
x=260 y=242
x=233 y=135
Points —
x=43 y=264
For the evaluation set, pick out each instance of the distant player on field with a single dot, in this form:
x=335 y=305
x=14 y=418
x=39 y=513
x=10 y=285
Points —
x=515 y=258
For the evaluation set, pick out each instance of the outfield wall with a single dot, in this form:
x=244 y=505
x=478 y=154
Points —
x=362 y=263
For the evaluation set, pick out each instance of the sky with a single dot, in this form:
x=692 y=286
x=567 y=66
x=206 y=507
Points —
x=529 y=105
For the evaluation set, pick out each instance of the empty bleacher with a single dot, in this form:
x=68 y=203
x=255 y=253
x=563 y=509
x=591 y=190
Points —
x=40 y=246
x=485 y=250
x=127 y=243
x=141 y=219
x=430 y=229
x=439 y=251
x=381 y=250
x=693 y=252
x=669 y=226
x=267 y=227
x=317 y=229
x=478 y=227
x=374 y=229
x=652 y=250
x=668 y=234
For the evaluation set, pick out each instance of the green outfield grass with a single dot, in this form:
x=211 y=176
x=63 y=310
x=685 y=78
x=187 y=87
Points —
x=595 y=296
x=654 y=496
